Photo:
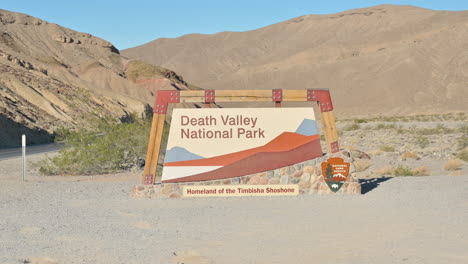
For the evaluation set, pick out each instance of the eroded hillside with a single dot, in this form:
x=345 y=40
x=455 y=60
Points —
x=51 y=76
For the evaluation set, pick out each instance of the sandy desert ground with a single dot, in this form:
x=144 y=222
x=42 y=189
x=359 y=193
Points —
x=84 y=219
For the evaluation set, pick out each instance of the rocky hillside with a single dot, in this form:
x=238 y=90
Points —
x=51 y=76
x=379 y=60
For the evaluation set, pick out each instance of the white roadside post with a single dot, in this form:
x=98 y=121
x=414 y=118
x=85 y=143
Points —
x=23 y=144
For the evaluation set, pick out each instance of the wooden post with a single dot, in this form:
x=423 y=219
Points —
x=148 y=174
x=163 y=98
x=154 y=147
x=157 y=145
x=330 y=132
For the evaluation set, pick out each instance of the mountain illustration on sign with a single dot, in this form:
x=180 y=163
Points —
x=180 y=154
x=308 y=127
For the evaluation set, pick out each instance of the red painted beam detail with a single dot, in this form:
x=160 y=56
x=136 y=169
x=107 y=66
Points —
x=163 y=98
x=149 y=179
x=322 y=97
x=277 y=95
x=209 y=96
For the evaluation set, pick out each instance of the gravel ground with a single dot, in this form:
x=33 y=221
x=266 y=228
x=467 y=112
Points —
x=93 y=220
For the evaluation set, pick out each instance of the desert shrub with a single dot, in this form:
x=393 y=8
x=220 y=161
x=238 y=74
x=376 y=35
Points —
x=375 y=152
x=460 y=117
x=387 y=170
x=379 y=126
x=463 y=129
x=409 y=155
x=463 y=155
x=453 y=164
x=361 y=165
x=421 y=171
x=439 y=129
x=351 y=127
x=387 y=148
x=401 y=130
x=105 y=147
x=137 y=69
x=421 y=118
x=462 y=142
x=402 y=171
x=386 y=126
x=422 y=141
x=360 y=121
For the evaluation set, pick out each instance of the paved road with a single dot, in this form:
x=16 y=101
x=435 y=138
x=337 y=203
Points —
x=30 y=150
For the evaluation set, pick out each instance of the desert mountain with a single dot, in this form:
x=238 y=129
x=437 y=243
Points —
x=51 y=76
x=380 y=60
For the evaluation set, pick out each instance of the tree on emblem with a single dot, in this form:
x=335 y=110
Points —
x=329 y=172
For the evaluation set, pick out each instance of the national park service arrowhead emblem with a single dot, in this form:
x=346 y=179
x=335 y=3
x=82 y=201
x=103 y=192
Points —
x=335 y=172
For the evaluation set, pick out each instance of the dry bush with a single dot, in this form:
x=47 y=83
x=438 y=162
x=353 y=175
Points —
x=456 y=173
x=463 y=155
x=453 y=164
x=351 y=127
x=421 y=171
x=462 y=142
x=360 y=121
x=350 y=147
x=450 y=116
x=361 y=165
x=422 y=141
x=386 y=126
x=387 y=148
x=387 y=170
x=438 y=130
x=375 y=152
x=402 y=171
x=410 y=155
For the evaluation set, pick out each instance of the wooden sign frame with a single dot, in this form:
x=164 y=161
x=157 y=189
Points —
x=164 y=98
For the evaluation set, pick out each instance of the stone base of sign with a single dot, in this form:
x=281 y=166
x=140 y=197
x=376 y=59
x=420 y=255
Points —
x=307 y=175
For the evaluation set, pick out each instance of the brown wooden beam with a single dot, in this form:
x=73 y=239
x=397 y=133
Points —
x=243 y=96
x=154 y=148
x=148 y=176
x=330 y=132
x=157 y=144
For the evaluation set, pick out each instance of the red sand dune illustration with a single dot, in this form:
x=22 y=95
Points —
x=284 y=142
x=259 y=162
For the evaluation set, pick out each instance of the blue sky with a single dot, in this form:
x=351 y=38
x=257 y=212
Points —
x=131 y=23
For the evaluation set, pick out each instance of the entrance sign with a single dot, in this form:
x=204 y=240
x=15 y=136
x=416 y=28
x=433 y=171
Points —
x=234 y=142
x=214 y=143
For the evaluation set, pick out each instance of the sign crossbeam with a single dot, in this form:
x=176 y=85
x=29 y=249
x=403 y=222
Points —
x=164 y=98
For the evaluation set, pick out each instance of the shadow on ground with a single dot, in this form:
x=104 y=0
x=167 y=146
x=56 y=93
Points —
x=368 y=185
